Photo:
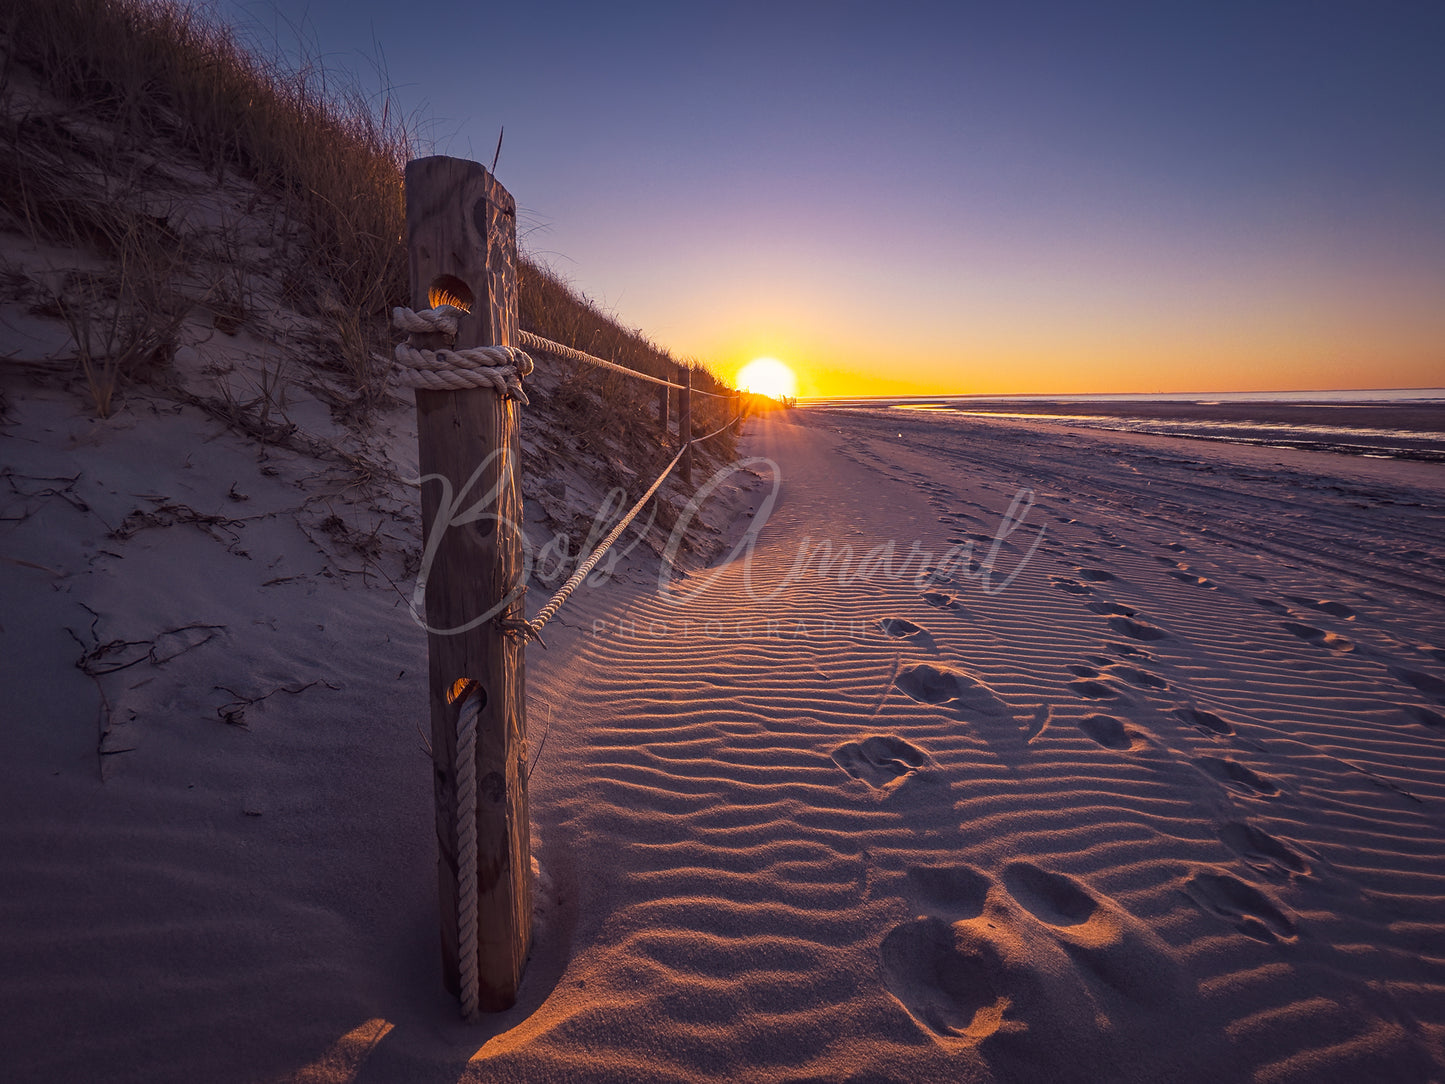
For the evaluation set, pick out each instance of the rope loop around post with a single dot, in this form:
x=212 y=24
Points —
x=500 y=368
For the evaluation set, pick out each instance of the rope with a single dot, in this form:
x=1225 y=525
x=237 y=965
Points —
x=547 y=346
x=467 y=852
x=533 y=627
x=547 y=612
x=500 y=368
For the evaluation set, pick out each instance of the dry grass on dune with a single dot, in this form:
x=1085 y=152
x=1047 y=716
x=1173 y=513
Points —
x=154 y=76
x=147 y=85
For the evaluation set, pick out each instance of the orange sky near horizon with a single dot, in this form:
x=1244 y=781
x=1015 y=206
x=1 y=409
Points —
x=895 y=369
x=1281 y=306
x=1344 y=352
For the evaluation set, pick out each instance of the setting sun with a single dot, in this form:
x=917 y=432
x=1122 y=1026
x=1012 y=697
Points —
x=768 y=376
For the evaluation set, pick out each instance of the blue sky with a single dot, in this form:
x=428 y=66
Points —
x=960 y=197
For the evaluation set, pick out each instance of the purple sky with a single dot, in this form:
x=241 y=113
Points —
x=1033 y=197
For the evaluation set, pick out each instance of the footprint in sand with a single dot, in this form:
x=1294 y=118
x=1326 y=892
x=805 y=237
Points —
x=901 y=628
x=951 y=984
x=1112 y=608
x=1185 y=576
x=1095 y=575
x=1334 y=609
x=1236 y=775
x=1128 y=649
x=1140 y=678
x=879 y=760
x=1138 y=630
x=952 y=892
x=1073 y=587
x=1206 y=721
x=942 y=599
x=1423 y=716
x=1319 y=637
x=1251 y=911
x=1093 y=690
x=1025 y=972
x=1109 y=732
x=1106 y=943
x=1271 y=605
x=1049 y=897
x=1261 y=851
x=953 y=689
x=1080 y=670
x=1426 y=683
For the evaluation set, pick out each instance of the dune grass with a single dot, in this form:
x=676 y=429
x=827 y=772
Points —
x=161 y=74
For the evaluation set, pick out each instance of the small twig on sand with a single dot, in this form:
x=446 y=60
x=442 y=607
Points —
x=532 y=767
x=234 y=714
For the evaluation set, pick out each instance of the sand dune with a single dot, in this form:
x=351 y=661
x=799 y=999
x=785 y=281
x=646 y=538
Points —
x=1148 y=789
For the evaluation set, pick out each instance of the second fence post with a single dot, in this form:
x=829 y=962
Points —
x=662 y=411
x=684 y=420
x=462 y=244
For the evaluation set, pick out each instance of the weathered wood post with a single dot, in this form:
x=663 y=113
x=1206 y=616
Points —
x=684 y=420
x=462 y=242
x=663 y=408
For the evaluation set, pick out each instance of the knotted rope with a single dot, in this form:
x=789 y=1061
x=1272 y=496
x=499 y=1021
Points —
x=500 y=368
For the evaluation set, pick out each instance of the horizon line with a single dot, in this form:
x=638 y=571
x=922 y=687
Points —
x=1097 y=394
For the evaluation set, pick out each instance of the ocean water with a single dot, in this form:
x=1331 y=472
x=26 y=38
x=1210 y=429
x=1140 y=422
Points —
x=1404 y=423
x=1360 y=395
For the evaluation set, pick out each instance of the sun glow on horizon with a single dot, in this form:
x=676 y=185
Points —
x=768 y=376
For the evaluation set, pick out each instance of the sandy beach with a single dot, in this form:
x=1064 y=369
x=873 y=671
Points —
x=1004 y=752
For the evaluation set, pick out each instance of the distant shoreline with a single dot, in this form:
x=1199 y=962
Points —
x=1347 y=395
x=1408 y=425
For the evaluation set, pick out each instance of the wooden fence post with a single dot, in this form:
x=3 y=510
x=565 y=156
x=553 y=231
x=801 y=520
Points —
x=684 y=420
x=663 y=407
x=462 y=243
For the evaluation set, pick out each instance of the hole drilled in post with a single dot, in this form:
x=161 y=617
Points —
x=450 y=290
x=464 y=687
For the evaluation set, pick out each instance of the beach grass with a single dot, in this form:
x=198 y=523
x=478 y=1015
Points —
x=141 y=80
